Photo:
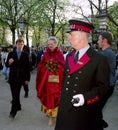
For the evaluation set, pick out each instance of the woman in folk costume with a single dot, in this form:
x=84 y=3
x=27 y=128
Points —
x=49 y=79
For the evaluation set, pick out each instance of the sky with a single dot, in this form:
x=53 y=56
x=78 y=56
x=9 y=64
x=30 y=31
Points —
x=110 y=2
x=85 y=5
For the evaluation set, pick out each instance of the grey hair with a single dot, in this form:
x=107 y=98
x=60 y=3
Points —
x=88 y=35
x=53 y=38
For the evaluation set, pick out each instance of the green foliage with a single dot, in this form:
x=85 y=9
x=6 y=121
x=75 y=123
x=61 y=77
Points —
x=113 y=12
x=44 y=18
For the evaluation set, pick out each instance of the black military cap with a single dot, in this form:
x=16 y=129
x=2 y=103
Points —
x=80 y=25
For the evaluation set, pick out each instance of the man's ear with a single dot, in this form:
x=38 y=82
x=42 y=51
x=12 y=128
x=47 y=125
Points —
x=105 y=40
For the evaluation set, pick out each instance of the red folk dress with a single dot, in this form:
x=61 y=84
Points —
x=49 y=92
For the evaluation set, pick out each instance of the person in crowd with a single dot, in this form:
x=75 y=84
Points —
x=18 y=62
x=40 y=54
x=26 y=49
x=116 y=55
x=49 y=79
x=5 y=70
x=33 y=58
x=1 y=67
x=69 y=49
x=116 y=61
x=85 y=82
x=105 y=40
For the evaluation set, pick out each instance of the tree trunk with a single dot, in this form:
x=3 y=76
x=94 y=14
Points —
x=27 y=39
x=13 y=36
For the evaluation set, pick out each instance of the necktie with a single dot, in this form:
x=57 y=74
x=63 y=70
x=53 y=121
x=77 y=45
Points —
x=19 y=54
x=76 y=57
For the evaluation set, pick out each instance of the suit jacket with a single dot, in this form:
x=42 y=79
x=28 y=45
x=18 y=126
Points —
x=90 y=77
x=20 y=69
x=26 y=49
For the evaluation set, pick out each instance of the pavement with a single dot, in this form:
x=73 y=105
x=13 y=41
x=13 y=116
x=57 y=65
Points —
x=31 y=118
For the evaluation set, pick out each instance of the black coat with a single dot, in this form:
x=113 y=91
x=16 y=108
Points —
x=20 y=69
x=89 y=78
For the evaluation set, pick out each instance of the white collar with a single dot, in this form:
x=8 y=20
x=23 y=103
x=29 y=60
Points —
x=83 y=51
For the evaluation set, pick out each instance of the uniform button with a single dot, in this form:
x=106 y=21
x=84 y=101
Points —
x=66 y=89
x=75 y=85
x=76 y=77
x=68 y=76
x=67 y=70
x=74 y=91
x=80 y=72
x=68 y=82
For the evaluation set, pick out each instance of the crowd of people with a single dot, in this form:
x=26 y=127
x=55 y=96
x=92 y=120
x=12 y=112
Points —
x=73 y=83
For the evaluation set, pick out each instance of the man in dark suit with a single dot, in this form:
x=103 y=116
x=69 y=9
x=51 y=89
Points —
x=85 y=82
x=18 y=61
x=26 y=49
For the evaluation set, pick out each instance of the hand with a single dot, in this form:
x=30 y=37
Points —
x=79 y=100
x=26 y=82
x=11 y=60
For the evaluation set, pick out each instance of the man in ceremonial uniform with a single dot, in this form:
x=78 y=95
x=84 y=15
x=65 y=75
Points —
x=85 y=82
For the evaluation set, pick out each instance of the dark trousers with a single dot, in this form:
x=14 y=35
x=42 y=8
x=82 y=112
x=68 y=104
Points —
x=15 y=91
x=107 y=96
x=26 y=88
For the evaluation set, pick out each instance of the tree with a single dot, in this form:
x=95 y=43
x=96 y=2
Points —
x=3 y=40
x=50 y=20
x=113 y=13
x=12 y=11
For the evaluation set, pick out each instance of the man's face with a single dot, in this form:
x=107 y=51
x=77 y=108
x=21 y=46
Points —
x=76 y=38
x=19 y=46
x=100 y=41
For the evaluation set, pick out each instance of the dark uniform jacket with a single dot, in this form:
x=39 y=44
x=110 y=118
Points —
x=89 y=77
x=20 y=69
